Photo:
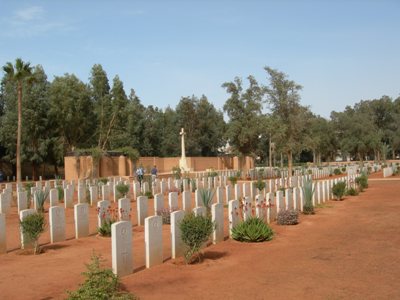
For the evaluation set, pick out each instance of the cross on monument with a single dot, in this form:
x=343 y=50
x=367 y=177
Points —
x=182 y=133
x=182 y=162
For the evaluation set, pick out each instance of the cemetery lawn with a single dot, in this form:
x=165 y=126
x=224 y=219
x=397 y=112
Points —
x=350 y=250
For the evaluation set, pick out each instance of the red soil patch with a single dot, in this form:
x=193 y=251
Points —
x=349 y=249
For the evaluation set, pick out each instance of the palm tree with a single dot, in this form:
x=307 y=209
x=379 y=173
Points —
x=18 y=73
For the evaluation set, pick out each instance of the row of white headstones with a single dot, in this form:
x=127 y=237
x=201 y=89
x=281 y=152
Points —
x=267 y=205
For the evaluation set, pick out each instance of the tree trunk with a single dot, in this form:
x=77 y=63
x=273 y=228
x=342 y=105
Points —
x=19 y=127
x=33 y=171
x=56 y=169
x=314 y=158
x=290 y=167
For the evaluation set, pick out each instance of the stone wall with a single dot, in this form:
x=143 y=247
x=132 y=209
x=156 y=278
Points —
x=82 y=166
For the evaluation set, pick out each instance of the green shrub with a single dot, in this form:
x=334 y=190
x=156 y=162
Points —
x=287 y=217
x=28 y=187
x=122 y=189
x=32 y=226
x=103 y=180
x=339 y=189
x=344 y=169
x=362 y=182
x=259 y=184
x=337 y=171
x=149 y=195
x=195 y=231
x=351 y=192
x=100 y=283
x=60 y=191
x=41 y=197
x=253 y=230
x=105 y=228
x=308 y=192
x=176 y=172
x=193 y=184
x=206 y=196
x=233 y=180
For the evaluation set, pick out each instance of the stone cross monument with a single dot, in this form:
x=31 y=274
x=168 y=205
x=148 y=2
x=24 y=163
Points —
x=182 y=161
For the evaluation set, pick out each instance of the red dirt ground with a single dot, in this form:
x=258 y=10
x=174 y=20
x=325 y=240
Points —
x=349 y=249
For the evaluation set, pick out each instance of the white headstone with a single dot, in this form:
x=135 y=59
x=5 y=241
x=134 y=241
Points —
x=22 y=200
x=5 y=204
x=228 y=192
x=197 y=198
x=238 y=195
x=176 y=240
x=81 y=194
x=68 y=194
x=103 y=212
x=217 y=213
x=53 y=196
x=153 y=241
x=124 y=209
x=22 y=214
x=121 y=248
x=279 y=201
x=142 y=209
x=3 y=239
x=247 y=210
x=220 y=194
x=105 y=192
x=57 y=224
x=81 y=215
x=233 y=214
x=173 y=201
x=158 y=203
x=187 y=201
x=94 y=195
x=200 y=211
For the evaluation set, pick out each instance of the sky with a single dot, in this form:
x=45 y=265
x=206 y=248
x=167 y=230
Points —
x=340 y=51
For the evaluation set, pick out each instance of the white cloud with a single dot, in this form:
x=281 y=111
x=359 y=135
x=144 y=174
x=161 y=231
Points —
x=32 y=21
x=29 y=14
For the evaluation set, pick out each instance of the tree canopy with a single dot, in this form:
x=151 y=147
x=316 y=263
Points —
x=65 y=114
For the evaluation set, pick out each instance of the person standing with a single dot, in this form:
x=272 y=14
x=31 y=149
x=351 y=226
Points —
x=154 y=172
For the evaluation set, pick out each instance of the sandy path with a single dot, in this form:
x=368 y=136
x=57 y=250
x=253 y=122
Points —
x=349 y=249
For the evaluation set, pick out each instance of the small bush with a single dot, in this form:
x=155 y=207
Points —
x=253 y=230
x=100 y=283
x=28 y=187
x=206 y=196
x=195 y=231
x=41 y=197
x=149 y=195
x=339 y=189
x=344 y=169
x=362 y=182
x=351 y=192
x=260 y=185
x=122 y=189
x=233 y=180
x=60 y=192
x=193 y=184
x=103 y=180
x=288 y=217
x=105 y=228
x=32 y=227
x=176 y=172
x=308 y=192
x=337 y=171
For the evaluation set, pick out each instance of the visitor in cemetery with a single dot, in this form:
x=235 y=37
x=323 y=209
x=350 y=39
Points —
x=154 y=172
x=139 y=174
